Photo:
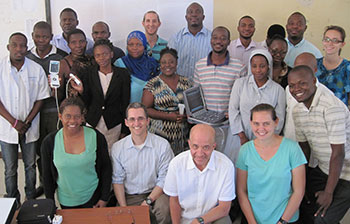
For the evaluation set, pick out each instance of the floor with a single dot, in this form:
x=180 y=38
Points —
x=346 y=219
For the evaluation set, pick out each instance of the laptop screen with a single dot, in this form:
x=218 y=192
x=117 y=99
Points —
x=194 y=100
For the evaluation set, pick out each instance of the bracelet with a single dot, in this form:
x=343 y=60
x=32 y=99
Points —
x=283 y=221
x=14 y=125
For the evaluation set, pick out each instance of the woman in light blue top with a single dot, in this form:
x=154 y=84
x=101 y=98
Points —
x=141 y=66
x=270 y=172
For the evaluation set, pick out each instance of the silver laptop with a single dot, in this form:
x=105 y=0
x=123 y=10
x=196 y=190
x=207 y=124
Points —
x=196 y=108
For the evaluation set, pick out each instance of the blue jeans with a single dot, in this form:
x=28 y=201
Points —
x=10 y=157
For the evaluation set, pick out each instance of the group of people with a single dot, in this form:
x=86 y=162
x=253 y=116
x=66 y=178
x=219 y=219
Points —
x=121 y=127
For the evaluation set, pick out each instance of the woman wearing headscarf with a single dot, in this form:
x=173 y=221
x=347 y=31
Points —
x=141 y=66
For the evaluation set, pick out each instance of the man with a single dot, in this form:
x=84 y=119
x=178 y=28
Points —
x=296 y=27
x=200 y=181
x=42 y=53
x=68 y=22
x=275 y=29
x=155 y=44
x=322 y=124
x=23 y=87
x=140 y=163
x=100 y=31
x=216 y=74
x=192 y=42
x=244 y=45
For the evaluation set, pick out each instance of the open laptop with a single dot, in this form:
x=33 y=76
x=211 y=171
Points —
x=197 y=111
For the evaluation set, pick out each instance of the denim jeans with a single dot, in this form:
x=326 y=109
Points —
x=10 y=157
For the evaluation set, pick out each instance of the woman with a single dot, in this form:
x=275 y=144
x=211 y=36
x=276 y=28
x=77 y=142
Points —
x=162 y=96
x=270 y=172
x=76 y=62
x=141 y=66
x=75 y=161
x=278 y=49
x=333 y=70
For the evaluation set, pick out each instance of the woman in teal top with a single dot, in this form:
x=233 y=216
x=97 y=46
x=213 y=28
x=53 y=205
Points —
x=270 y=172
x=76 y=161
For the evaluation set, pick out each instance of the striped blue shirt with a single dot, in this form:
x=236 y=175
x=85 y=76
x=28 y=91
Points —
x=155 y=50
x=190 y=49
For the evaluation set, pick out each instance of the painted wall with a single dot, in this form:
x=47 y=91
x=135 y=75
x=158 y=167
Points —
x=318 y=13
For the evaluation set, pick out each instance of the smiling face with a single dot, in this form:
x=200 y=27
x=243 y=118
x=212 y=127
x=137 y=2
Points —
x=17 y=47
x=68 y=21
x=219 y=41
x=135 y=48
x=168 y=64
x=278 y=50
x=77 y=44
x=263 y=125
x=151 y=23
x=332 y=42
x=296 y=27
x=137 y=122
x=71 y=118
x=246 y=28
x=194 y=15
x=42 y=38
x=259 y=68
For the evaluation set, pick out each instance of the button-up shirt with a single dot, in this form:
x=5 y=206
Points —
x=140 y=170
x=238 y=51
x=59 y=41
x=19 y=90
x=200 y=191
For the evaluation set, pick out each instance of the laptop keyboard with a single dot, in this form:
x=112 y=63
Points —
x=209 y=116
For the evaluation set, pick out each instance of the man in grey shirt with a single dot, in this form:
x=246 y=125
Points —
x=140 y=164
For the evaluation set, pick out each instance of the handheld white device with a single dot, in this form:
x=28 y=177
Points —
x=53 y=70
x=76 y=80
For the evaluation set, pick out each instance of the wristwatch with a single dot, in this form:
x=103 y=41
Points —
x=149 y=201
x=283 y=221
x=200 y=220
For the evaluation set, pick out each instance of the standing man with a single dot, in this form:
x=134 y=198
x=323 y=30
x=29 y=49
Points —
x=322 y=124
x=68 y=22
x=140 y=164
x=216 y=74
x=42 y=53
x=23 y=87
x=155 y=44
x=296 y=27
x=244 y=45
x=100 y=31
x=192 y=42
x=200 y=181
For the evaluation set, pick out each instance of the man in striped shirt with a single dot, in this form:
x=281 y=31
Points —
x=216 y=74
x=322 y=124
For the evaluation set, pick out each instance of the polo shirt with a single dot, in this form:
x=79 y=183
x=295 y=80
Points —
x=157 y=48
x=238 y=51
x=326 y=122
x=200 y=191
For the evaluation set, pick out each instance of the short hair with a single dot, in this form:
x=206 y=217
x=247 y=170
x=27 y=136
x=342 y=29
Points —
x=69 y=10
x=195 y=3
x=136 y=105
x=336 y=28
x=101 y=22
x=75 y=31
x=299 y=14
x=303 y=68
x=73 y=101
x=278 y=37
x=263 y=107
x=43 y=25
x=168 y=50
x=150 y=11
x=18 y=34
x=245 y=17
x=103 y=42
x=224 y=28
x=276 y=29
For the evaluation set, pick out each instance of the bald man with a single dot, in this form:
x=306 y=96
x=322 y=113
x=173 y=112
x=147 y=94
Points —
x=200 y=181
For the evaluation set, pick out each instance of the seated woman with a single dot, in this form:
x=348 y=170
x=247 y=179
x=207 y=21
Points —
x=278 y=49
x=333 y=70
x=75 y=161
x=76 y=62
x=270 y=172
x=255 y=88
x=161 y=96
x=141 y=66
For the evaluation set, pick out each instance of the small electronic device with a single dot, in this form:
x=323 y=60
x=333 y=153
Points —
x=53 y=70
x=76 y=80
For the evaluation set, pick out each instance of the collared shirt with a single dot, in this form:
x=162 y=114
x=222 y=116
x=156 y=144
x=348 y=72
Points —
x=245 y=95
x=156 y=49
x=19 y=90
x=238 y=51
x=326 y=122
x=301 y=47
x=217 y=80
x=59 y=41
x=190 y=49
x=200 y=191
x=140 y=170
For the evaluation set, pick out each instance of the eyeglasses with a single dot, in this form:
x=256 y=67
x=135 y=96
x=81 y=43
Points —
x=275 y=52
x=334 y=40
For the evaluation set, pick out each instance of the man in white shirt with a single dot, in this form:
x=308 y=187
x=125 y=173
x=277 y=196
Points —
x=244 y=45
x=200 y=181
x=140 y=163
x=68 y=22
x=23 y=87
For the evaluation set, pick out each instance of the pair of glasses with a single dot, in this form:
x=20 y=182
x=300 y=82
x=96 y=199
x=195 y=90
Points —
x=334 y=40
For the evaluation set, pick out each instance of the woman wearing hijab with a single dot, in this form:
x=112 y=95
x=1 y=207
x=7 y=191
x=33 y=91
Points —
x=141 y=67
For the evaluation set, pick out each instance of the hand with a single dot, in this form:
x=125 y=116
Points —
x=79 y=88
x=179 y=118
x=243 y=139
x=100 y=204
x=324 y=200
x=144 y=203
x=22 y=127
x=194 y=221
x=226 y=115
x=49 y=79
